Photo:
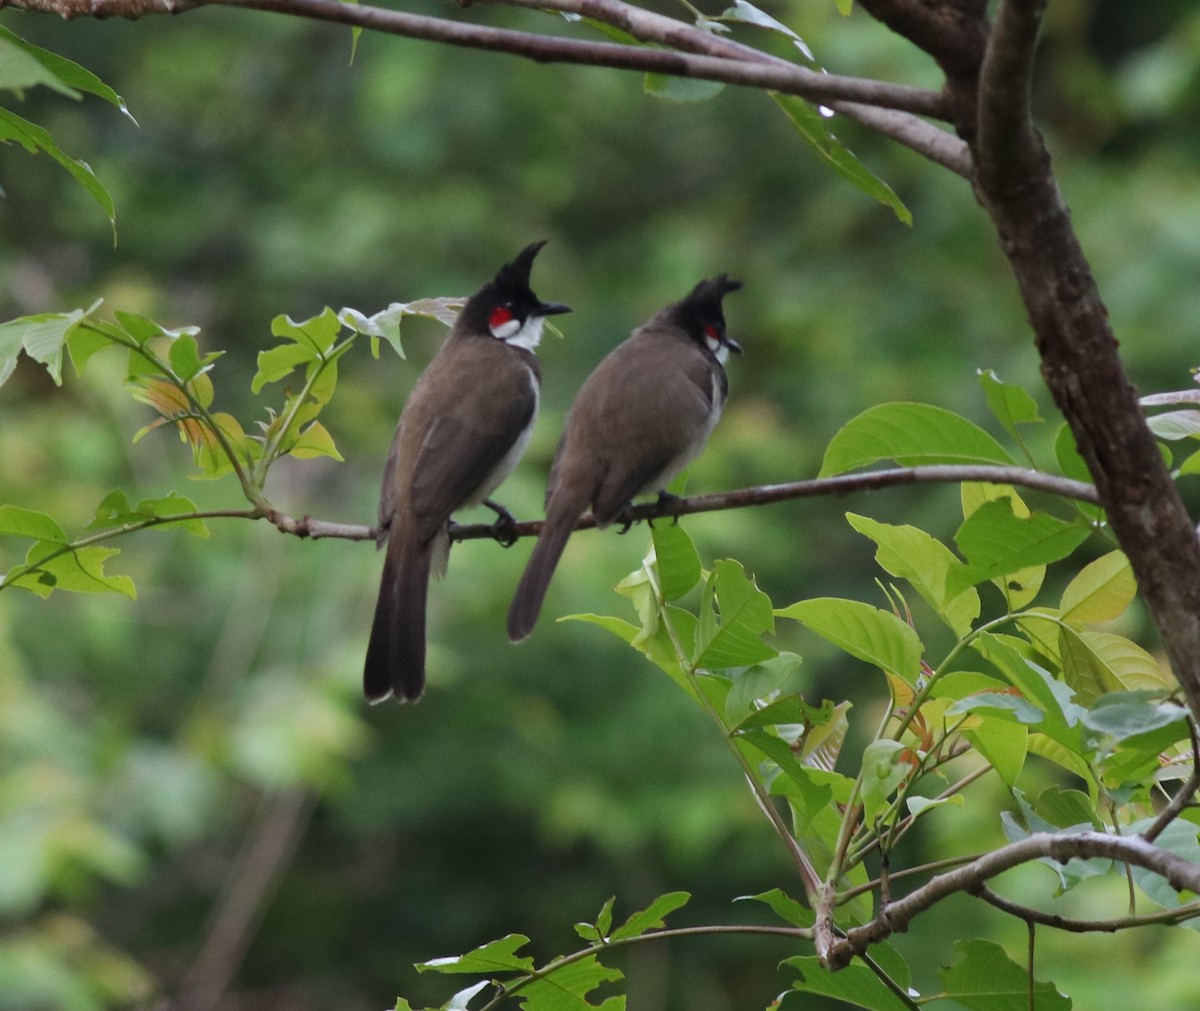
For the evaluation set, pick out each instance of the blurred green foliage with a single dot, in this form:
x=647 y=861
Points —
x=269 y=174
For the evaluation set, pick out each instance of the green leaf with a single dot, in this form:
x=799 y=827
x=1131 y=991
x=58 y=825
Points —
x=315 y=441
x=868 y=633
x=1061 y=715
x=1100 y=591
x=785 y=907
x=115 y=511
x=1010 y=404
x=80 y=570
x=747 y=14
x=855 y=985
x=280 y=361
x=677 y=560
x=912 y=435
x=911 y=554
x=996 y=542
x=34 y=139
x=1003 y=744
x=681 y=89
x=1133 y=667
x=318 y=333
x=1179 y=838
x=567 y=988
x=884 y=768
x=986 y=979
x=745 y=616
x=1121 y=715
x=598 y=931
x=651 y=918
x=42 y=336
x=19 y=69
x=1175 y=425
x=1083 y=669
x=488 y=959
x=70 y=75
x=18 y=522
x=763 y=685
x=814 y=128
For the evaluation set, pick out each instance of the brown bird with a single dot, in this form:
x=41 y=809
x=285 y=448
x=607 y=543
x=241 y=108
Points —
x=642 y=416
x=463 y=429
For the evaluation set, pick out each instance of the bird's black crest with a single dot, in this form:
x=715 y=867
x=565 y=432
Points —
x=511 y=284
x=703 y=303
x=515 y=275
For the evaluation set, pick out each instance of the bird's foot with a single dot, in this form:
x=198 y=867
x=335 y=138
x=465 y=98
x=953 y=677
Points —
x=504 y=529
x=665 y=499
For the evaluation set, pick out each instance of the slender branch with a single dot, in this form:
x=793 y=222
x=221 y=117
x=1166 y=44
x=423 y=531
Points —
x=1077 y=926
x=841 y=485
x=268 y=851
x=882 y=106
x=1183 y=795
x=1181 y=874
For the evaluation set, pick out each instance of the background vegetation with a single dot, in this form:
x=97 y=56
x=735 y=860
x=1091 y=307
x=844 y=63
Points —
x=147 y=747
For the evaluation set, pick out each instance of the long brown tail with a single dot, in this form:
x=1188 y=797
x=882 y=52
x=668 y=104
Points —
x=395 y=662
x=562 y=513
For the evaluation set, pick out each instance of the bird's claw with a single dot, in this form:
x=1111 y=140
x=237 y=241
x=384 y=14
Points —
x=504 y=528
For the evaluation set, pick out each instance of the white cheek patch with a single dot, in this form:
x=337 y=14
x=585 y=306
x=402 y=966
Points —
x=527 y=335
x=719 y=349
x=506 y=329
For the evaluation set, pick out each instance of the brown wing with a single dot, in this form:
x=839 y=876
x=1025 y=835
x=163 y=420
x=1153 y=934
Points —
x=494 y=400
x=655 y=395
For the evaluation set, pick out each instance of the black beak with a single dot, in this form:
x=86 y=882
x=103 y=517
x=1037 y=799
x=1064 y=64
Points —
x=733 y=345
x=550 y=309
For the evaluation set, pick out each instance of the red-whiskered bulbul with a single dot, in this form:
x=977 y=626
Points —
x=463 y=429
x=642 y=416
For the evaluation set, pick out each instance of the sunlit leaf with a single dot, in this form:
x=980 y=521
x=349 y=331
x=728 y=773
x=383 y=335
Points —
x=314 y=441
x=910 y=553
x=868 y=633
x=745 y=615
x=1100 y=591
x=42 y=336
x=676 y=558
x=884 y=768
x=787 y=908
x=1011 y=404
x=996 y=542
x=1002 y=743
x=495 y=956
x=651 y=918
x=910 y=434
x=18 y=522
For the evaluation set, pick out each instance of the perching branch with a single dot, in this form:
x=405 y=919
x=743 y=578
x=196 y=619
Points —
x=1077 y=926
x=1183 y=875
x=717 y=502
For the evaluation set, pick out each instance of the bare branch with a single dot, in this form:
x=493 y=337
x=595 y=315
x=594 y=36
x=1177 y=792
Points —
x=306 y=527
x=1076 y=926
x=1184 y=796
x=1183 y=875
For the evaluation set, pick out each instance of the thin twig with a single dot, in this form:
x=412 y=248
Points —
x=1078 y=926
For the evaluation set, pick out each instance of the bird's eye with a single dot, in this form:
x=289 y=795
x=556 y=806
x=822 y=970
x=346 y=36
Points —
x=500 y=315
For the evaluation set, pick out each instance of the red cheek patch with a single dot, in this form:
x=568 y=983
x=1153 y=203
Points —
x=500 y=315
